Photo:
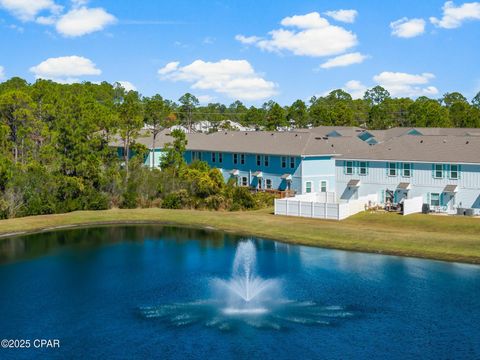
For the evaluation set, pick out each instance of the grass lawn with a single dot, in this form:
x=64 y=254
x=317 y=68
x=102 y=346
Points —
x=427 y=236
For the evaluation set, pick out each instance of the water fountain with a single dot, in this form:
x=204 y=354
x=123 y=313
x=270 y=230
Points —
x=246 y=298
x=245 y=291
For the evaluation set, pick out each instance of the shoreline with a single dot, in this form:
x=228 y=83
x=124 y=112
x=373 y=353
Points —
x=388 y=232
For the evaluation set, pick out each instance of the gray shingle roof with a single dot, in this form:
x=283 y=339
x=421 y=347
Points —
x=454 y=149
x=295 y=143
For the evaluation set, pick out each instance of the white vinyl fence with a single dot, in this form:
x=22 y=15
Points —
x=413 y=205
x=307 y=206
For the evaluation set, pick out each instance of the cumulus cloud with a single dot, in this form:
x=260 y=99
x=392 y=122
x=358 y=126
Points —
x=233 y=78
x=403 y=84
x=344 y=60
x=205 y=99
x=407 y=28
x=355 y=88
x=453 y=16
x=307 y=35
x=127 y=85
x=81 y=21
x=27 y=10
x=347 y=16
x=66 y=69
x=78 y=21
x=2 y=73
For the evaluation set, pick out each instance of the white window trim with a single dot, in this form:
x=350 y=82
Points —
x=395 y=168
x=435 y=171
x=326 y=185
x=311 y=187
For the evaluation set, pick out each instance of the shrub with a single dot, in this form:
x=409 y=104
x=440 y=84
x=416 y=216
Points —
x=177 y=200
x=215 y=202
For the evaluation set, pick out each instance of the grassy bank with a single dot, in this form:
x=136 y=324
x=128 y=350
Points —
x=435 y=237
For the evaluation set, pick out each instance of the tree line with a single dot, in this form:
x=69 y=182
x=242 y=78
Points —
x=55 y=155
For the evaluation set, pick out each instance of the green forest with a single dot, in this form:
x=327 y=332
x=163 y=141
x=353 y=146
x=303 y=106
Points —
x=55 y=156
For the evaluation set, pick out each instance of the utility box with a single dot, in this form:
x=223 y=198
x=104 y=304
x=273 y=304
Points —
x=425 y=208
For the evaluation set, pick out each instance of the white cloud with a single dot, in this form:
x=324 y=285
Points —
x=81 y=21
x=27 y=10
x=78 y=21
x=233 y=78
x=347 y=16
x=170 y=67
x=314 y=36
x=344 y=60
x=2 y=73
x=403 y=84
x=205 y=99
x=407 y=28
x=355 y=88
x=247 y=40
x=127 y=85
x=453 y=16
x=65 y=69
x=208 y=40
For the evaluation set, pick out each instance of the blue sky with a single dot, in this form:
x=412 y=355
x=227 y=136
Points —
x=251 y=50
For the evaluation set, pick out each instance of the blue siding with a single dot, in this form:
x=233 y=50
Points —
x=273 y=171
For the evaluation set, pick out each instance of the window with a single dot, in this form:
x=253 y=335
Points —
x=323 y=186
x=259 y=160
x=214 y=157
x=292 y=162
x=196 y=155
x=244 y=181
x=392 y=169
x=407 y=169
x=220 y=157
x=242 y=159
x=268 y=183
x=266 y=160
x=283 y=161
x=438 y=171
x=349 y=167
x=362 y=168
x=235 y=159
x=308 y=187
x=434 y=199
x=454 y=172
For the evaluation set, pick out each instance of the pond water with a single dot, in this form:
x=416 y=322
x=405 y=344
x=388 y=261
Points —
x=173 y=293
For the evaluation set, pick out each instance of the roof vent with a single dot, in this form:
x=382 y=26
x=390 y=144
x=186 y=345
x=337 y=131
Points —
x=467 y=142
x=421 y=141
x=444 y=141
x=296 y=134
x=272 y=134
x=246 y=133
x=332 y=145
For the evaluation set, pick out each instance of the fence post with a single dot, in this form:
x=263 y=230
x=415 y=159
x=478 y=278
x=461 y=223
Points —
x=313 y=209
x=286 y=207
x=325 y=212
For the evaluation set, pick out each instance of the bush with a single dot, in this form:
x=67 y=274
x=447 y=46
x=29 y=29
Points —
x=215 y=202
x=97 y=201
x=243 y=198
x=177 y=200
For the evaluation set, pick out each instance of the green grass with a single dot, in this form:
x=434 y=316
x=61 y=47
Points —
x=426 y=236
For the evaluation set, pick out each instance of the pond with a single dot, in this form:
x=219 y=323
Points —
x=174 y=293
